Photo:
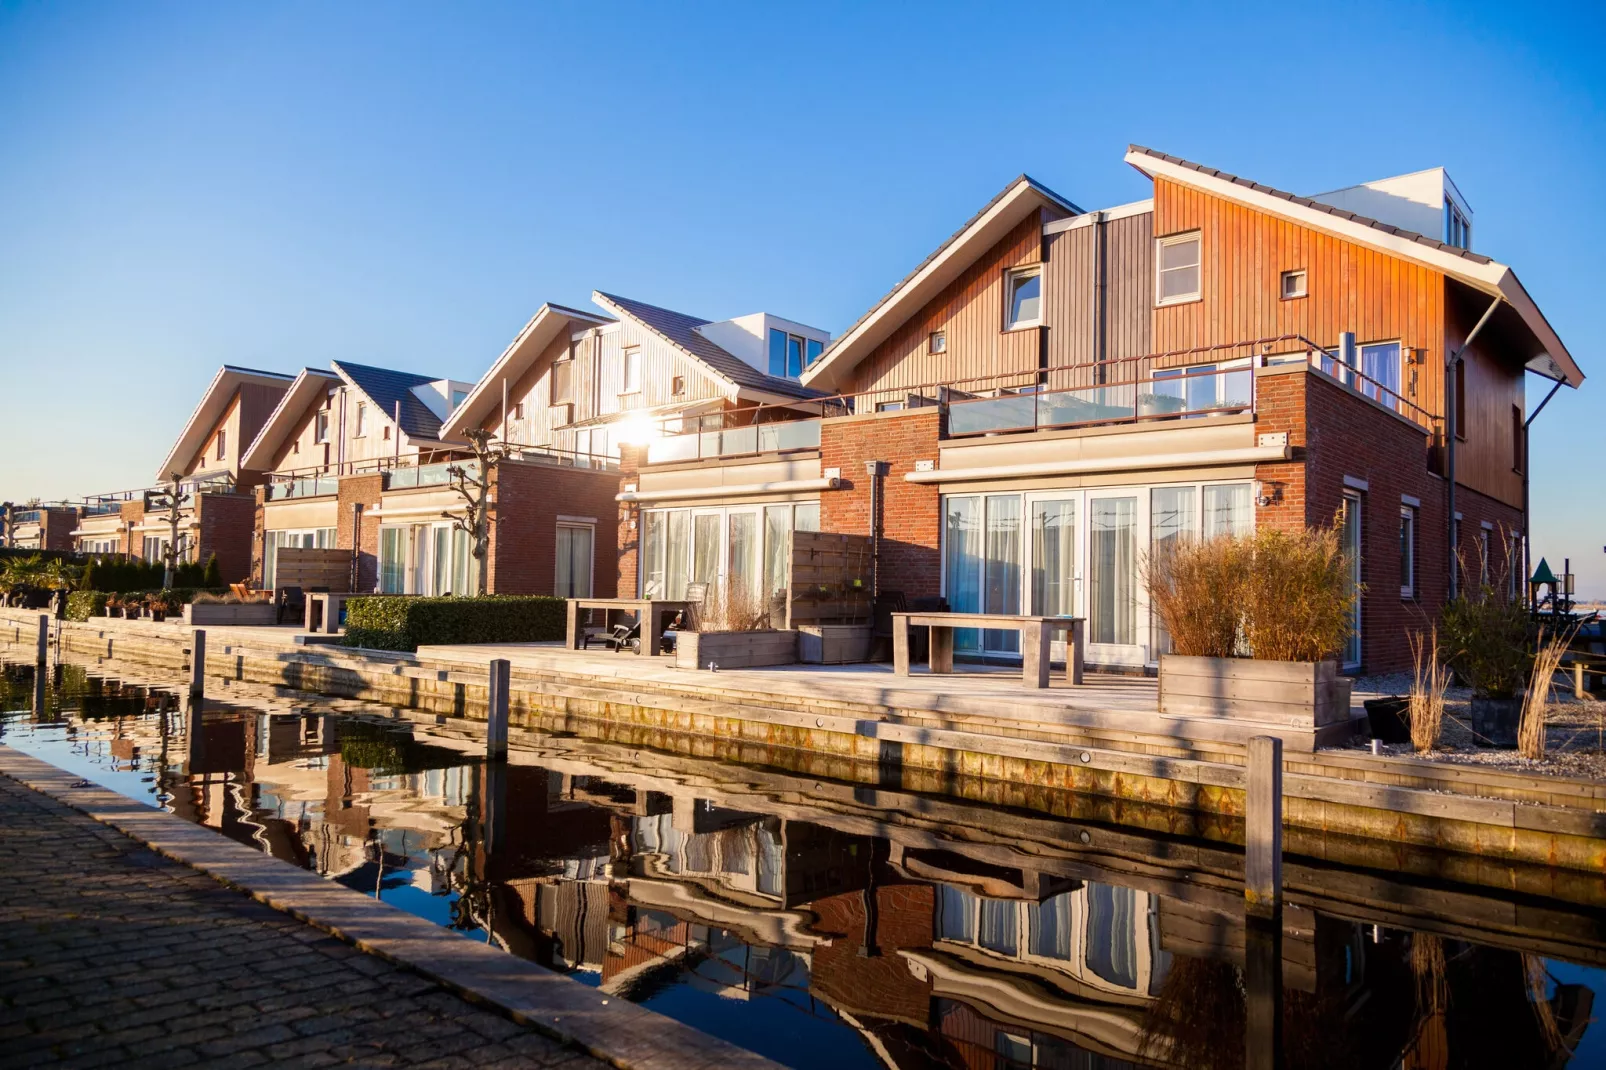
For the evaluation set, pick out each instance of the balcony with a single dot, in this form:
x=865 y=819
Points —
x=304 y=487
x=1164 y=396
x=778 y=437
x=25 y=516
x=429 y=475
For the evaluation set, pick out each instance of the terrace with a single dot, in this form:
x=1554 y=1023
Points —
x=409 y=473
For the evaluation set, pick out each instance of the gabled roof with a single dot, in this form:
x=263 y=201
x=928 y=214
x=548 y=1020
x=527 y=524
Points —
x=386 y=388
x=309 y=384
x=947 y=262
x=549 y=322
x=214 y=402
x=1550 y=357
x=676 y=328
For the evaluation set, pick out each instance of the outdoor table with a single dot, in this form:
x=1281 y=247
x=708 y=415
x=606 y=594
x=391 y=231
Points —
x=323 y=611
x=1035 y=635
x=649 y=611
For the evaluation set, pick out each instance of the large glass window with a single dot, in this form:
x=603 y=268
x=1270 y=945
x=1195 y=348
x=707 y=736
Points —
x=789 y=354
x=426 y=559
x=962 y=561
x=574 y=561
x=1380 y=366
x=1054 y=558
x=956 y=914
x=1350 y=534
x=1049 y=927
x=297 y=538
x=999 y=926
x=1112 y=561
x=1112 y=945
x=1003 y=575
x=562 y=382
x=1228 y=510
x=681 y=546
x=1173 y=518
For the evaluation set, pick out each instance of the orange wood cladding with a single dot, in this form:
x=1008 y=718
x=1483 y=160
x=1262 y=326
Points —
x=971 y=311
x=1243 y=254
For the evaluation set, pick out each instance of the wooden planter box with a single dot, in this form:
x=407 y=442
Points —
x=833 y=644
x=735 y=650
x=1296 y=693
x=224 y=614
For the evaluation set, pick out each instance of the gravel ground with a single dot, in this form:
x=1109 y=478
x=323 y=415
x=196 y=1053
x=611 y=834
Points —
x=1575 y=732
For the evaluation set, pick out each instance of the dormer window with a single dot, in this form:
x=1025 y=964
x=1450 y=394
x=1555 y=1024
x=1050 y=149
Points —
x=791 y=353
x=1457 y=231
x=458 y=397
x=1024 y=300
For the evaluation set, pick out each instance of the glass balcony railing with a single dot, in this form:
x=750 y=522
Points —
x=736 y=441
x=308 y=487
x=428 y=475
x=1193 y=394
x=25 y=516
x=102 y=508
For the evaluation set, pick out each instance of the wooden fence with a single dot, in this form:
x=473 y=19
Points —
x=829 y=579
x=307 y=569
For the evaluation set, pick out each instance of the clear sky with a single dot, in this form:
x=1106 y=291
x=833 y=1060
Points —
x=277 y=185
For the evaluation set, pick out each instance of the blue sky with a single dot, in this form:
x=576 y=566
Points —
x=183 y=185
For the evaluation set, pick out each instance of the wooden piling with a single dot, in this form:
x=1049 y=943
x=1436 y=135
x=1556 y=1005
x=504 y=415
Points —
x=1263 y=827
x=497 y=713
x=198 y=663
x=1263 y=993
x=44 y=639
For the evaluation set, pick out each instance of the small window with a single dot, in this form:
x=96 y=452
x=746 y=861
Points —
x=518 y=410
x=1176 y=265
x=889 y=406
x=778 y=353
x=813 y=350
x=222 y=444
x=362 y=419
x=1025 y=299
x=458 y=397
x=385 y=433
x=1293 y=284
x=939 y=341
x=1407 y=552
x=1483 y=558
x=791 y=353
x=632 y=371
x=320 y=426
x=562 y=382
x=1457 y=231
x=677 y=386
x=295 y=446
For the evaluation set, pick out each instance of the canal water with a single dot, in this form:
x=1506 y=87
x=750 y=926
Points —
x=821 y=924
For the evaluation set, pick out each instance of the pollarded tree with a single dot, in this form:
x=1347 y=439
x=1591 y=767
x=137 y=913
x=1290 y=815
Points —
x=473 y=481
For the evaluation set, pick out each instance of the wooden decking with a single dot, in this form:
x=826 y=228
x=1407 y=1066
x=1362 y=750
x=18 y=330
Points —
x=977 y=695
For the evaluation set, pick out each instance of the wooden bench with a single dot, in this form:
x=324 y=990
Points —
x=650 y=611
x=1036 y=633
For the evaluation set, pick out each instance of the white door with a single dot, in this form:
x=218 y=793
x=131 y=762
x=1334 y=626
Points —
x=744 y=560
x=707 y=547
x=1054 y=558
x=1116 y=610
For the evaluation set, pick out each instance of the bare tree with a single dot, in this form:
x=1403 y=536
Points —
x=473 y=482
x=169 y=501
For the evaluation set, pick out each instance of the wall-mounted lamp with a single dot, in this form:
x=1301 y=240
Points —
x=1268 y=494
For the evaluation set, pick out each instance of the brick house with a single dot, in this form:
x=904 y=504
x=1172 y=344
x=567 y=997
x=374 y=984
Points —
x=217 y=503
x=1054 y=392
x=39 y=526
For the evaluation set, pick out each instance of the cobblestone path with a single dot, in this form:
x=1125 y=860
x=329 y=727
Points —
x=111 y=955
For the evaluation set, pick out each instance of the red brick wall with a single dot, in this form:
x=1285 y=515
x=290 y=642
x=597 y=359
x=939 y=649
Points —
x=130 y=513
x=228 y=527
x=910 y=513
x=361 y=490
x=627 y=532
x=882 y=986
x=1336 y=434
x=56 y=528
x=529 y=499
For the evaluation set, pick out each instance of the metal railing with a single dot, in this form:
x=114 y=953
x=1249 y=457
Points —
x=428 y=475
x=778 y=436
x=304 y=487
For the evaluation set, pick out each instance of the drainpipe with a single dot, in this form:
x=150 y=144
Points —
x=874 y=469
x=395 y=438
x=504 y=409
x=340 y=454
x=1451 y=419
x=1101 y=298
x=1526 y=468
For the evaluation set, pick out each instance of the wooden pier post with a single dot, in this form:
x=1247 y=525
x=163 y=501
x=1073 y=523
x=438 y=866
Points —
x=497 y=712
x=44 y=639
x=1263 y=827
x=1263 y=993
x=198 y=663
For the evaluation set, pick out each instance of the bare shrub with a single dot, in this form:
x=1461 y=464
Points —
x=1531 y=728
x=732 y=607
x=1432 y=679
x=1196 y=588
x=1297 y=600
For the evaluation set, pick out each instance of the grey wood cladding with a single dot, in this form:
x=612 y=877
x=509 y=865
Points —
x=1077 y=287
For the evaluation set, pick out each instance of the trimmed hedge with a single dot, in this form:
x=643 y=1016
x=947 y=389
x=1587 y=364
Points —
x=81 y=605
x=396 y=622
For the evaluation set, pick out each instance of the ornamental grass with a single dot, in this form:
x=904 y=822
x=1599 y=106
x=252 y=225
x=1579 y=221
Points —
x=1196 y=588
x=1431 y=680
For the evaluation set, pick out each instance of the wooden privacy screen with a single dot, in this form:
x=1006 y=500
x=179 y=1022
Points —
x=829 y=579
x=329 y=569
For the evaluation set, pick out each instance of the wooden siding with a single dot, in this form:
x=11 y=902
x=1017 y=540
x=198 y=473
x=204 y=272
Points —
x=971 y=311
x=1071 y=293
x=1484 y=460
x=595 y=380
x=300 y=452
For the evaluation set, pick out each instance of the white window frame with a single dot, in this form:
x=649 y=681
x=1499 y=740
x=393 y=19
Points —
x=1011 y=282
x=222 y=443
x=1197 y=293
x=320 y=426
x=631 y=371
x=1304 y=284
x=362 y=419
x=566 y=367
x=937 y=342
x=1408 y=553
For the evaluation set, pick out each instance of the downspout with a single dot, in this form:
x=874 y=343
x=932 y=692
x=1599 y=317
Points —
x=504 y=409
x=1101 y=295
x=1452 y=419
x=873 y=469
x=1527 y=467
x=396 y=438
x=340 y=454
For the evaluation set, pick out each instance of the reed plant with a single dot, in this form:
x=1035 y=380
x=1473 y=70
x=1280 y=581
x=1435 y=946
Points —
x=1196 y=587
x=1531 y=728
x=732 y=607
x=1432 y=680
x=1298 y=599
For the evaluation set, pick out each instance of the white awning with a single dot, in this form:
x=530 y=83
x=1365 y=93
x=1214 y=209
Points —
x=735 y=490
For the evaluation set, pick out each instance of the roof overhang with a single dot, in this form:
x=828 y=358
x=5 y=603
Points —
x=1551 y=358
x=1003 y=214
x=308 y=385
x=214 y=403
x=549 y=323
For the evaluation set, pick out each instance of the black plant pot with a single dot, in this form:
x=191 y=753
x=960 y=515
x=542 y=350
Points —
x=1495 y=721
x=1390 y=719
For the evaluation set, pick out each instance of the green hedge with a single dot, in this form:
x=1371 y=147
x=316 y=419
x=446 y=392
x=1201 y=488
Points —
x=395 y=622
x=81 y=605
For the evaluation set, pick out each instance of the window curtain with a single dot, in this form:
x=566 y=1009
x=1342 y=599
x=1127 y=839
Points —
x=1112 y=558
x=962 y=561
x=1053 y=558
x=1173 y=517
x=678 y=554
x=392 y=560
x=705 y=548
x=1227 y=510
x=1049 y=927
x=1112 y=946
x=1003 y=568
x=777 y=555
x=998 y=926
x=652 y=556
x=1381 y=366
x=956 y=914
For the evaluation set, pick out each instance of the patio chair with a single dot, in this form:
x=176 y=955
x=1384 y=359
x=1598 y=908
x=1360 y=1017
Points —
x=291 y=601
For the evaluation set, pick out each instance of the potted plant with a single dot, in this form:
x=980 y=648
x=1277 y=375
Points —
x=1255 y=623
x=731 y=630
x=1486 y=639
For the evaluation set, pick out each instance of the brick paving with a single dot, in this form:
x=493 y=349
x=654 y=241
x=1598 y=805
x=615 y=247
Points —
x=111 y=955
